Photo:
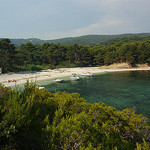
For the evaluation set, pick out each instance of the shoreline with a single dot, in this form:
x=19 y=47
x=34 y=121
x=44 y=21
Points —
x=22 y=77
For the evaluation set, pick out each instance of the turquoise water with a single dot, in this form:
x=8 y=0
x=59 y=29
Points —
x=118 y=89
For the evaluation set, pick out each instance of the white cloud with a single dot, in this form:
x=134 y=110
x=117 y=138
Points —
x=107 y=26
x=120 y=16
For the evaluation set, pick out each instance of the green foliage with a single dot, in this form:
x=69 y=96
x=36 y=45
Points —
x=34 y=67
x=29 y=57
x=38 y=119
x=88 y=39
x=127 y=39
x=7 y=54
x=65 y=64
x=143 y=146
x=4 y=93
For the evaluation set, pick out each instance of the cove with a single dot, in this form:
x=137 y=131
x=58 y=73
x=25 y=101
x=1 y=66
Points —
x=118 y=89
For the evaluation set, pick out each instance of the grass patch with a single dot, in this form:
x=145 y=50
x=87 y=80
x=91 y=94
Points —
x=65 y=64
x=29 y=67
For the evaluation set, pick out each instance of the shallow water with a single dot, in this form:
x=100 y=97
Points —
x=118 y=89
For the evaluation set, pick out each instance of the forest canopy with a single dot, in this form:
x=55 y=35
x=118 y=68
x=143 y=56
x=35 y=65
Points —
x=84 y=40
x=37 y=57
x=38 y=119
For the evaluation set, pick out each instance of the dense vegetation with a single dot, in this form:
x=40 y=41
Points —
x=37 y=119
x=81 y=40
x=87 y=40
x=125 y=40
x=36 y=57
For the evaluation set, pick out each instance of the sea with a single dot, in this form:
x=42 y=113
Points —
x=125 y=89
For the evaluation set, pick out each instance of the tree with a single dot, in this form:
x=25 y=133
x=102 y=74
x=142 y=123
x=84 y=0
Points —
x=38 y=119
x=7 y=54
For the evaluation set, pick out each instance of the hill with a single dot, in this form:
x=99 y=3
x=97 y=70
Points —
x=93 y=39
x=35 y=41
x=125 y=40
x=81 y=40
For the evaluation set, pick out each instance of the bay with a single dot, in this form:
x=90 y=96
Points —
x=118 y=89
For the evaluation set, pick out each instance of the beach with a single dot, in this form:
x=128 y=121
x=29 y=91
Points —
x=22 y=77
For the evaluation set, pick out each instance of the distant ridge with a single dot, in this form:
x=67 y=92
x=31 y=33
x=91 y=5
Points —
x=24 y=41
x=93 y=39
x=81 y=40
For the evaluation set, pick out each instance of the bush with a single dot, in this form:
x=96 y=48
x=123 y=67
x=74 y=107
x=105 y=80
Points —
x=31 y=67
x=66 y=64
x=38 y=119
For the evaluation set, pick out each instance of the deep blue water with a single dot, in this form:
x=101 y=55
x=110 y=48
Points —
x=118 y=89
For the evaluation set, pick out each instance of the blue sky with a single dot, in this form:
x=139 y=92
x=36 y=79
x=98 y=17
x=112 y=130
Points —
x=52 y=19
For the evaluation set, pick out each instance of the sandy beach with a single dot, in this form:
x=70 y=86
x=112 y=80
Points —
x=22 y=77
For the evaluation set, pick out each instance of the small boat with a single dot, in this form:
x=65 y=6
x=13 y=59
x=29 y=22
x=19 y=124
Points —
x=87 y=74
x=41 y=87
x=58 y=80
x=74 y=77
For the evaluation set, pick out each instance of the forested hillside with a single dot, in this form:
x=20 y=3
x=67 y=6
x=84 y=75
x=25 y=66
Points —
x=81 y=40
x=93 y=39
x=39 y=120
x=36 y=57
x=125 y=40
x=35 y=41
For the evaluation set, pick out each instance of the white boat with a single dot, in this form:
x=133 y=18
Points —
x=75 y=78
x=87 y=74
x=58 y=80
x=41 y=87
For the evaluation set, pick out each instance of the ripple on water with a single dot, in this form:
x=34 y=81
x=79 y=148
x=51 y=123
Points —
x=118 y=89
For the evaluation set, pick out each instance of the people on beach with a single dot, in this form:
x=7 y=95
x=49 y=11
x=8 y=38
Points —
x=12 y=81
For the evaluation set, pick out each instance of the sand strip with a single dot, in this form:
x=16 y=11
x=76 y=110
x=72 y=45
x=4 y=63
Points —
x=22 y=77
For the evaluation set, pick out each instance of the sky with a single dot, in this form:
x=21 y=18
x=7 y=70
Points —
x=53 y=19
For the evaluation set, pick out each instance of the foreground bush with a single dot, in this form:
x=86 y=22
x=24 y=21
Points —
x=37 y=119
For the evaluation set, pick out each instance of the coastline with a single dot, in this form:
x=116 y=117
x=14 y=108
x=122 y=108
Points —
x=22 y=77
